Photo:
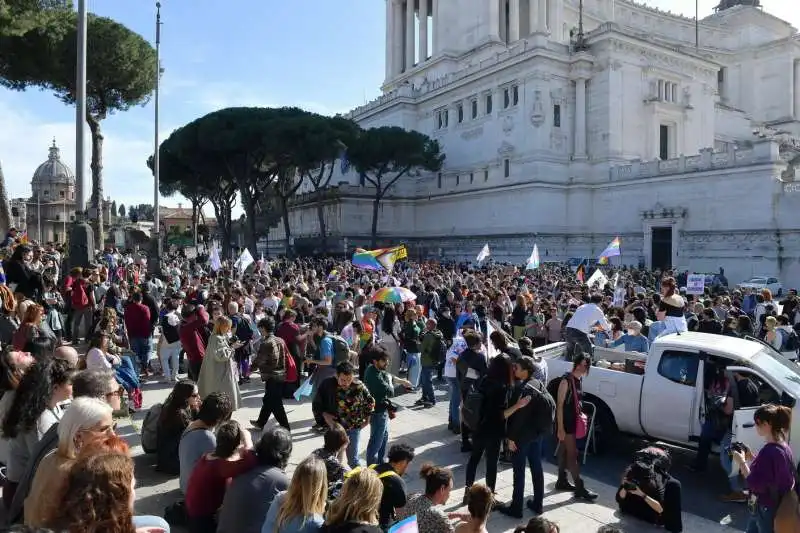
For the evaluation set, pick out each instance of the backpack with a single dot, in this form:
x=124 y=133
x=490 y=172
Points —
x=78 y=297
x=542 y=408
x=244 y=331
x=790 y=342
x=341 y=350
x=150 y=429
x=472 y=407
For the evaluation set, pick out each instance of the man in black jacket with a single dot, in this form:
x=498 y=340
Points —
x=524 y=440
x=471 y=367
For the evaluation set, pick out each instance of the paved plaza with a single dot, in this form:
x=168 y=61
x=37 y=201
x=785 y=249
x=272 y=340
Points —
x=426 y=430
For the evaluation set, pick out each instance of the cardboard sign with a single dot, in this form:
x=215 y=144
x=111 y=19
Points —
x=695 y=284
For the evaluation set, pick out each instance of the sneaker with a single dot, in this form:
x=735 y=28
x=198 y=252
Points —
x=564 y=485
x=318 y=429
x=257 y=425
x=419 y=402
x=734 y=497
x=509 y=510
x=428 y=405
x=536 y=510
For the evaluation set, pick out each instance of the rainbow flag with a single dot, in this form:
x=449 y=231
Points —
x=406 y=525
x=380 y=259
x=613 y=249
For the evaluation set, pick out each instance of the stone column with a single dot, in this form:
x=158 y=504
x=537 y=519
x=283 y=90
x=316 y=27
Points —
x=580 y=118
x=435 y=48
x=494 y=20
x=423 y=30
x=796 y=88
x=410 y=35
x=397 y=40
x=541 y=18
x=389 y=38
x=513 y=23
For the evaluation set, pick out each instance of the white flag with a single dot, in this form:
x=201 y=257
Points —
x=214 y=261
x=244 y=261
x=533 y=260
x=484 y=253
x=598 y=278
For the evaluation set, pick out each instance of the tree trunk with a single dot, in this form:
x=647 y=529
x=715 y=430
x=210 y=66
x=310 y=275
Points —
x=194 y=223
x=323 y=233
x=286 y=229
x=97 y=181
x=250 y=214
x=375 y=205
x=5 y=208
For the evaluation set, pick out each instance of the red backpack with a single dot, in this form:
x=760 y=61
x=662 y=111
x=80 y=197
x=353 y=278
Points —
x=79 y=298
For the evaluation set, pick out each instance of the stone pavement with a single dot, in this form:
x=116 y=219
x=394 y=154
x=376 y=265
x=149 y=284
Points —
x=426 y=430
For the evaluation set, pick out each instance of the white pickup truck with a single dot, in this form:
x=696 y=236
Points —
x=665 y=402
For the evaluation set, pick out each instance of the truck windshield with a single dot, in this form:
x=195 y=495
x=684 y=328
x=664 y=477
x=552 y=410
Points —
x=780 y=368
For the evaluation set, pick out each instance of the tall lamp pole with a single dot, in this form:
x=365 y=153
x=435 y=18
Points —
x=81 y=242
x=156 y=162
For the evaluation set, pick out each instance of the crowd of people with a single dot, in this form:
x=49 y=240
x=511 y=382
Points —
x=78 y=347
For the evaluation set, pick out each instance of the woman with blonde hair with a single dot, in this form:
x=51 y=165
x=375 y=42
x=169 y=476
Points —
x=87 y=422
x=218 y=371
x=356 y=510
x=98 y=497
x=301 y=508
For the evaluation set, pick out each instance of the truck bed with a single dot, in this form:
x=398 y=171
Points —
x=619 y=390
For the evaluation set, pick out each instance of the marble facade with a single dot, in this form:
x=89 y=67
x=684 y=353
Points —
x=635 y=130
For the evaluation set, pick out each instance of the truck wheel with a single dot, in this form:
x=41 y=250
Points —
x=605 y=429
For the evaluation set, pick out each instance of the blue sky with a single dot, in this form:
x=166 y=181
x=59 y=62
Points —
x=324 y=55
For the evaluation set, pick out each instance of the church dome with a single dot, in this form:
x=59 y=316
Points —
x=727 y=4
x=53 y=171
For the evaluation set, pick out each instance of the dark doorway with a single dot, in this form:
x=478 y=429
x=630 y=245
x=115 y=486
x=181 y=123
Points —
x=661 y=248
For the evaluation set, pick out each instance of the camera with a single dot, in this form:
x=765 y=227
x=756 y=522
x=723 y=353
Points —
x=738 y=447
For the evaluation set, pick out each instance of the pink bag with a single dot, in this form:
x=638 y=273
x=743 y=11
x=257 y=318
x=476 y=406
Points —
x=581 y=420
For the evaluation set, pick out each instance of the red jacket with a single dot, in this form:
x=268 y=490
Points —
x=192 y=337
x=137 y=320
x=208 y=482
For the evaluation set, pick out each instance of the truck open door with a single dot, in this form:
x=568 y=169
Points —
x=744 y=427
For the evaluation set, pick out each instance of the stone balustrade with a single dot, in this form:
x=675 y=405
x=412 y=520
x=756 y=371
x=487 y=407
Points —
x=762 y=152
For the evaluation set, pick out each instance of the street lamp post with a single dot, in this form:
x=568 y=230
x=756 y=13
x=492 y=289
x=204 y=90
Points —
x=81 y=242
x=156 y=158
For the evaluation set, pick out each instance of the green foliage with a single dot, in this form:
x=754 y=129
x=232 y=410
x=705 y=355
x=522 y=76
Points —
x=383 y=155
x=19 y=17
x=122 y=210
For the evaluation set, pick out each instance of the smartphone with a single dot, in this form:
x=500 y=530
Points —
x=627 y=485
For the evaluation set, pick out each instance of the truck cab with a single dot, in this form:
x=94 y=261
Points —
x=662 y=396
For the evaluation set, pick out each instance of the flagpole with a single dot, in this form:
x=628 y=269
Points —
x=697 y=25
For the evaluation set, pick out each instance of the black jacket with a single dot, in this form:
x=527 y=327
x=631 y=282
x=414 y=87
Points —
x=518 y=426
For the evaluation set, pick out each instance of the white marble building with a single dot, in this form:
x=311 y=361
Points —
x=636 y=130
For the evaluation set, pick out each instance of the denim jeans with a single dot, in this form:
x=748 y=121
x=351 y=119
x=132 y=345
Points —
x=426 y=381
x=378 y=438
x=352 y=448
x=141 y=347
x=708 y=435
x=170 y=353
x=530 y=453
x=147 y=521
x=725 y=460
x=414 y=369
x=455 y=402
x=761 y=520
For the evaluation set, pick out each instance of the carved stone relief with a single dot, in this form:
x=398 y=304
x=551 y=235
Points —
x=508 y=124
x=537 y=115
x=506 y=148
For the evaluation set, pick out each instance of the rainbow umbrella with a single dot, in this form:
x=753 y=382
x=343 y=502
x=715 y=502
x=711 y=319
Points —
x=393 y=295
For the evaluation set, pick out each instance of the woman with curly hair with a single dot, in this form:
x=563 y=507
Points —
x=13 y=366
x=99 y=496
x=178 y=412
x=35 y=408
